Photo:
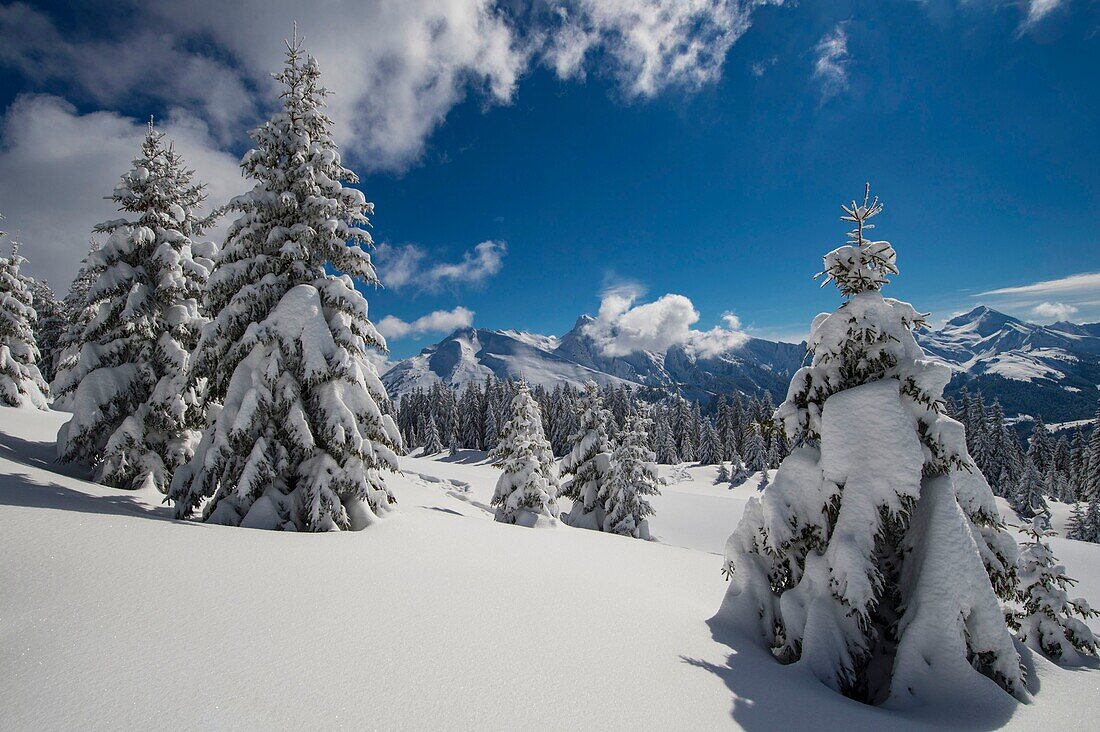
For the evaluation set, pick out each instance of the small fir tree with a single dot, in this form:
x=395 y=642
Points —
x=1049 y=621
x=526 y=492
x=588 y=462
x=21 y=383
x=633 y=477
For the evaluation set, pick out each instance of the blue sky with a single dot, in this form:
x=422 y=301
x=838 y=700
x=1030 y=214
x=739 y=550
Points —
x=644 y=169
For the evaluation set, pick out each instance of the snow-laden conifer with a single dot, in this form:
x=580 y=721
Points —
x=301 y=441
x=869 y=558
x=588 y=461
x=49 y=326
x=136 y=415
x=1027 y=499
x=527 y=490
x=1050 y=621
x=21 y=383
x=633 y=476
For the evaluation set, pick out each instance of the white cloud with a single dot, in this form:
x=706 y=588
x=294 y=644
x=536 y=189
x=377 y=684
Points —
x=440 y=321
x=649 y=44
x=396 y=69
x=1054 y=310
x=622 y=327
x=56 y=166
x=831 y=61
x=1037 y=10
x=409 y=266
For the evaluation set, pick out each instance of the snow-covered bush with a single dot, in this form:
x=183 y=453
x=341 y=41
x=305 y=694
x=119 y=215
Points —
x=527 y=491
x=1047 y=621
x=633 y=476
x=21 y=384
x=301 y=440
x=876 y=556
x=135 y=415
x=588 y=462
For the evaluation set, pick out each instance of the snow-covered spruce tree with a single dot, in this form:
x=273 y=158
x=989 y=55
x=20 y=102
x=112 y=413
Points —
x=21 y=384
x=527 y=491
x=136 y=416
x=723 y=473
x=78 y=311
x=588 y=461
x=1027 y=500
x=633 y=476
x=1047 y=621
x=301 y=440
x=873 y=557
x=49 y=325
x=756 y=453
x=433 y=443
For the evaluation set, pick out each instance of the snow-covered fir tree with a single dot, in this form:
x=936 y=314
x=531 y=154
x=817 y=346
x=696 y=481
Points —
x=710 y=449
x=49 y=326
x=301 y=441
x=756 y=454
x=1028 y=500
x=588 y=461
x=633 y=477
x=1050 y=621
x=21 y=383
x=874 y=555
x=527 y=491
x=136 y=415
x=79 y=311
x=429 y=433
x=738 y=471
x=723 y=473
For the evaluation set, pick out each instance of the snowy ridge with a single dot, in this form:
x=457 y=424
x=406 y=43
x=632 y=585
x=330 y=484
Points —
x=1052 y=371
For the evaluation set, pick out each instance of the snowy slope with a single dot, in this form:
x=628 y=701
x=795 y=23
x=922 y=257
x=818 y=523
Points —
x=114 y=616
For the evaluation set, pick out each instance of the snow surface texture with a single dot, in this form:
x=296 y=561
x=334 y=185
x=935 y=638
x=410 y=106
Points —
x=442 y=628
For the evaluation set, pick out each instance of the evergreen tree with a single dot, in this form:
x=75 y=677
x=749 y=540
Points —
x=21 y=383
x=709 y=446
x=665 y=439
x=433 y=443
x=876 y=555
x=79 y=311
x=1092 y=480
x=588 y=462
x=136 y=415
x=1075 y=526
x=1050 y=622
x=1040 y=448
x=526 y=492
x=723 y=473
x=633 y=477
x=756 y=454
x=49 y=326
x=1028 y=500
x=301 y=440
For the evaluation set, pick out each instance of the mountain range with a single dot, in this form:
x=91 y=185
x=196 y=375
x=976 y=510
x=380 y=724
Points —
x=1050 y=371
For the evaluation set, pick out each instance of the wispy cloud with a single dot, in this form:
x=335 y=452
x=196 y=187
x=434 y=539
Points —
x=1083 y=284
x=440 y=321
x=1037 y=10
x=1060 y=299
x=831 y=60
x=409 y=266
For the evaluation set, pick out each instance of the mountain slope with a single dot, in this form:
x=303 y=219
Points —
x=1050 y=371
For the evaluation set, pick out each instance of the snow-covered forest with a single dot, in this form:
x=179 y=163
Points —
x=894 y=557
